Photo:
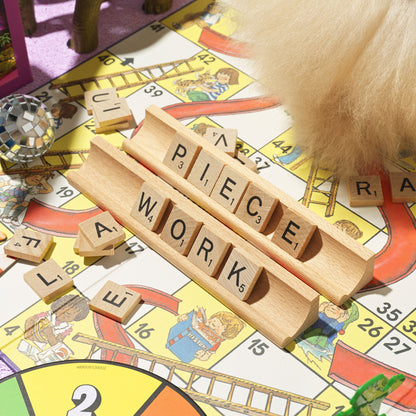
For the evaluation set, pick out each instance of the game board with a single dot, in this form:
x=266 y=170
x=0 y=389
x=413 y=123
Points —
x=318 y=373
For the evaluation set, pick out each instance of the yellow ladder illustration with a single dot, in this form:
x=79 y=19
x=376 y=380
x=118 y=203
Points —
x=50 y=161
x=119 y=80
x=193 y=372
x=322 y=197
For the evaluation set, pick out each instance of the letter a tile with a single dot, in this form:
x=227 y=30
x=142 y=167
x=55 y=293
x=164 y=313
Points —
x=102 y=230
x=48 y=280
x=403 y=187
x=28 y=245
x=239 y=275
x=115 y=301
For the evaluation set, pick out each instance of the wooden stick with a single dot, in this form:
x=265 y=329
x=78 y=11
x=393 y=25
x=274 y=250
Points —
x=334 y=264
x=280 y=305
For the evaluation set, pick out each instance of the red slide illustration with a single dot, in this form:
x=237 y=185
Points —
x=56 y=221
x=113 y=331
x=352 y=368
x=221 y=43
x=397 y=259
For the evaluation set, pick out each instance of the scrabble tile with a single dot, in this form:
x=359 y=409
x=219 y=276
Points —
x=181 y=155
x=403 y=186
x=205 y=171
x=102 y=230
x=229 y=188
x=48 y=280
x=115 y=301
x=208 y=251
x=111 y=112
x=246 y=161
x=97 y=96
x=256 y=207
x=85 y=249
x=365 y=191
x=180 y=230
x=28 y=245
x=224 y=139
x=112 y=127
x=150 y=207
x=239 y=275
x=293 y=232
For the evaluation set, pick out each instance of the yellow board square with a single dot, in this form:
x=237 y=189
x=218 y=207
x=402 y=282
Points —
x=48 y=280
x=28 y=245
x=115 y=301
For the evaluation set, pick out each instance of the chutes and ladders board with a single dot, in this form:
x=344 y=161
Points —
x=242 y=372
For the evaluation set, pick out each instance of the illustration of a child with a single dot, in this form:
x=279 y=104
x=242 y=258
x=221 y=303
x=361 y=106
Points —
x=13 y=194
x=224 y=77
x=47 y=330
x=196 y=336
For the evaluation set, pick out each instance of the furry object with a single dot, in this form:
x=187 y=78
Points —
x=345 y=71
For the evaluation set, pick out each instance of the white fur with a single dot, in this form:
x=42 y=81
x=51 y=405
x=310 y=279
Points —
x=345 y=70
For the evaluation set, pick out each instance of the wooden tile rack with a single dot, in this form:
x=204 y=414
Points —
x=280 y=306
x=333 y=263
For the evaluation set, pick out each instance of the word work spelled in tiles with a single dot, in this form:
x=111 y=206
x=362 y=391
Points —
x=102 y=230
x=97 y=96
x=208 y=251
x=365 y=191
x=180 y=230
x=223 y=139
x=48 y=280
x=149 y=207
x=256 y=207
x=181 y=155
x=205 y=171
x=239 y=274
x=29 y=245
x=115 y=301
x=403 y=186
x=293 y=232
x=229 y=188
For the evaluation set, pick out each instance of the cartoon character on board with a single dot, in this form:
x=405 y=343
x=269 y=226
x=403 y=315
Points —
x=196 y=336
x=319 y=339
x=45 y=332
x=223 y=78
x=211 y=15
x=15 y=194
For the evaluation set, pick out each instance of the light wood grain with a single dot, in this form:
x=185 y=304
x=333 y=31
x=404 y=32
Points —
x=334 y=264
x=403 y=186
x=365 y=191
x=280 y=305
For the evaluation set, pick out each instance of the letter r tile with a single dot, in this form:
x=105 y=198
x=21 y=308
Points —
x=365 y=191
x=115 y=301
x=293 y=232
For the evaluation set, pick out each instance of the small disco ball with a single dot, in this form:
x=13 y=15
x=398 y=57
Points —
x=27 y=128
